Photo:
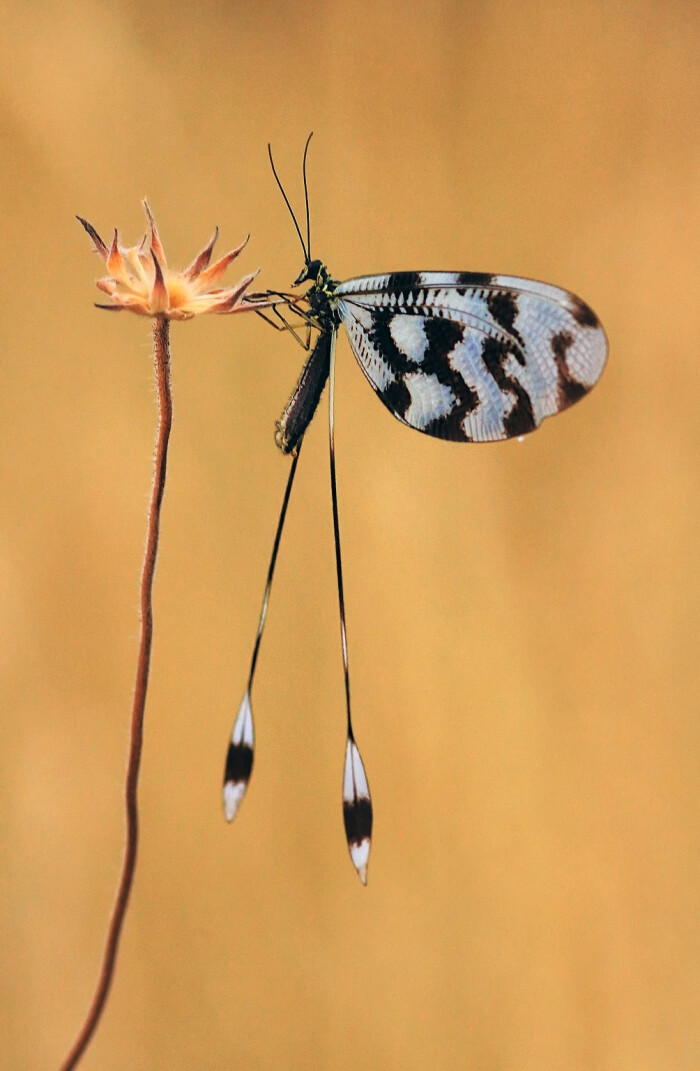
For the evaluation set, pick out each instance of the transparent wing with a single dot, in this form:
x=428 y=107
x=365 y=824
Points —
x=472 y=357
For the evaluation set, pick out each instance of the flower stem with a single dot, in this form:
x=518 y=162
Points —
x=161 y=353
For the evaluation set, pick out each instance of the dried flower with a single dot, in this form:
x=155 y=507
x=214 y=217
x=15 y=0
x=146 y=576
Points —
x=140 y=280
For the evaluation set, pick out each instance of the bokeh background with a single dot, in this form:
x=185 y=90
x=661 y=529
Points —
x=523 y=618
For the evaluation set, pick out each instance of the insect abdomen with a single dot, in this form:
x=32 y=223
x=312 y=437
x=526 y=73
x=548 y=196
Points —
x=302 y=405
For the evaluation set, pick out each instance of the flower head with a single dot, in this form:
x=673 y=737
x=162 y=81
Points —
x=140 y=280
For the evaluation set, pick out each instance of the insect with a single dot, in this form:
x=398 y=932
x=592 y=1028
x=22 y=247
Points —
x=463 y=356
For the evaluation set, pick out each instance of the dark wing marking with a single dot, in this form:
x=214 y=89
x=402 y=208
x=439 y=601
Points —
x=468 y=356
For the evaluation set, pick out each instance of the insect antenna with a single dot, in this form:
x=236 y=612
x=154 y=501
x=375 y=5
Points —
x=239 y=757
x=286 y=199
x=306 y=199
x=357 y=802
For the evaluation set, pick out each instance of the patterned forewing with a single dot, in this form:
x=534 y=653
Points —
x=471 y=357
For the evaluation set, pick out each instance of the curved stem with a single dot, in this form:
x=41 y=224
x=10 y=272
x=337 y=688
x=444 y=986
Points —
x=161 y=353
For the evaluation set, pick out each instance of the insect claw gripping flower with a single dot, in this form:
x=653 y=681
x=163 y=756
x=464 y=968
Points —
x=140 y=280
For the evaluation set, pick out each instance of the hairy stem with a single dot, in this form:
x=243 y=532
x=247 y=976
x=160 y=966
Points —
x=161 y=353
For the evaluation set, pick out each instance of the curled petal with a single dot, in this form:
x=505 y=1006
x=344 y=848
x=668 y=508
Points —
x=210 y=275
x=229 y=299
x=137 y=259
x=140 y=262
x=202 y=259
x=100 y=247
x=159 y=291
x=156 y=245
x=107 y=285
x=128 y=301
x=141 y=252
x=115 y=261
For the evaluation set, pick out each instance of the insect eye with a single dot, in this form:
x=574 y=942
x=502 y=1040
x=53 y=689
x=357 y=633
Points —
x=312 y=270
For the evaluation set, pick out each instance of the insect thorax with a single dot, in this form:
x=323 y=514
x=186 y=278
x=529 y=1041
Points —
x=322 y=298
x=322 y=295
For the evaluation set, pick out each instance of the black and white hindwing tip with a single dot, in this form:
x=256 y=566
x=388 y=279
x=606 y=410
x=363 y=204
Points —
x=357 y=809
x=239 y=760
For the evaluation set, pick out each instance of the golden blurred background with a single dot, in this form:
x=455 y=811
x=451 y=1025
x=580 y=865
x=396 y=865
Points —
x=523 y=618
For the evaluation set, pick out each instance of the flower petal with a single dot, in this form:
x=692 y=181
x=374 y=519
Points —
x=230 y=298
x=140 y=261
x=159 y=291
x=129 y=302
x=107 y=285
x=100 y=247
x=115 y=261
x=202 y=259
x=210 y=275
x=156 y=245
